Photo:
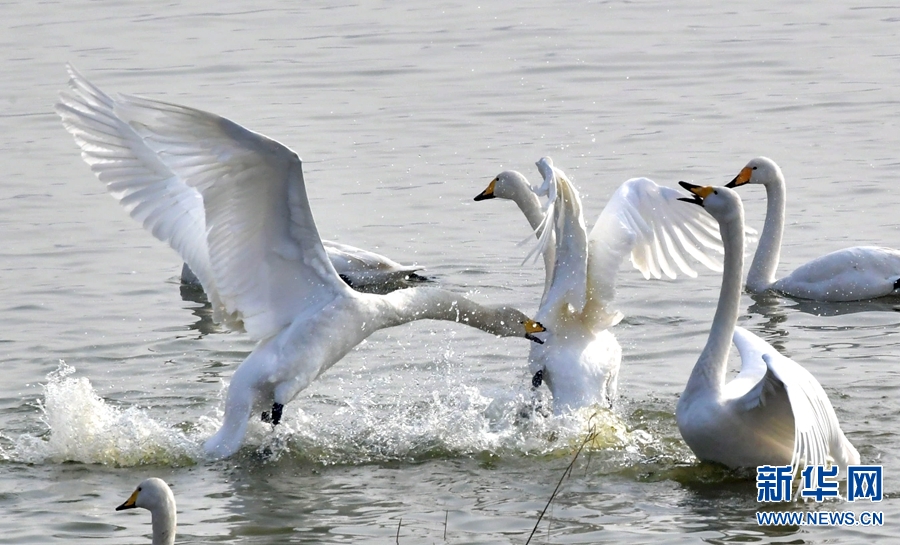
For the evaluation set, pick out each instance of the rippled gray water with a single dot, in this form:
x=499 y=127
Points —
x=402 y=115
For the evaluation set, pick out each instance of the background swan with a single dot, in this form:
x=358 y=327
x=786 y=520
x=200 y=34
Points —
x=851 y=274
x=258 y=251
x=773 y=412
x=580 y=359
x=155 y=496
x=361 y=269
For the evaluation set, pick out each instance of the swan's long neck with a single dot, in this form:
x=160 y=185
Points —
x=412 y=304
x=163 y=517
x=709 y=372
x=529 y=204
x=762 y=270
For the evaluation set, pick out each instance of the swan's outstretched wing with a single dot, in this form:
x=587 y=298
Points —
x=662 y=235
x=818 y=439
x=267 y=260
x=563 y=235
x=134 y=175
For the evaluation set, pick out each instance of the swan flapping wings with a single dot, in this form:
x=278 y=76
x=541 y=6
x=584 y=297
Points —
x=255 y=247
x=642 y=220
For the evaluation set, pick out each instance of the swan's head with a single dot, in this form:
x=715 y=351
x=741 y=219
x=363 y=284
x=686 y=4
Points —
x=155 y=496
x=761 y=170
x=722 y=203
x=509 y=322
x=152 y=494
x=531 y=327
x=504 y=186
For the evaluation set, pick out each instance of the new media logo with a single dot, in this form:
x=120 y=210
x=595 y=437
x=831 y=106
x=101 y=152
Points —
x=775 y=484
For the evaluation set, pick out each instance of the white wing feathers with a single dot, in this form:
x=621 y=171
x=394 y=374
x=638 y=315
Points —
x=818 y=439
x=661 y=234
x=753 y=383
x=265 y=254
x=564 y=219
x=150 y=192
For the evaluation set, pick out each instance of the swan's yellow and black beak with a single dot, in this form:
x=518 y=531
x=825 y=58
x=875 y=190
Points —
x=130 y=502
x=532 y=327
x=698 y=191
x=742 y=178
x=487 y=193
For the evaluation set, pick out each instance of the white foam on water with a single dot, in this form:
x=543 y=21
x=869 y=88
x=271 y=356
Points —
x=456 y=419
x=461 y=421
x=83 y=427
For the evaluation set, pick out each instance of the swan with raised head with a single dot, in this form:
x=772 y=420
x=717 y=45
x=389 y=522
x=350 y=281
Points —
x=774 y=412
x=580 y=357
x=155 y=496
x=851 y=274
x=256 y=246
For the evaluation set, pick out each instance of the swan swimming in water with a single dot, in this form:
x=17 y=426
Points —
x=155 y=496
x=580 y=357
x=361 y=269
x=851 y=274
x=774 y=412
x=255 y=247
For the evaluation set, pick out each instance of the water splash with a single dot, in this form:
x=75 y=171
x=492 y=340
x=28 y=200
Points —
x=450 y=420
x=462 y=421
x=82 y=427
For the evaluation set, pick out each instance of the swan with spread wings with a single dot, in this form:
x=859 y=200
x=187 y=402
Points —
x=253 y=244
x=581 y=357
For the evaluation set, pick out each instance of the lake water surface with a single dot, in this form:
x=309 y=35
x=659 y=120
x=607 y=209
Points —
x=402 y=114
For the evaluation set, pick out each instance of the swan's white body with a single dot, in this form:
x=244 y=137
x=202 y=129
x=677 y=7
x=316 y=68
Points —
x=580 y=359
x=253 y=245
x=155 y=496
x=361 y=269
x=851 y=274
x=773 y=412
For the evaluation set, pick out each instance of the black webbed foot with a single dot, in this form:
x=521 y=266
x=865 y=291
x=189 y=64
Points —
x=277 y=409
x=275 y=417
x=537 y=379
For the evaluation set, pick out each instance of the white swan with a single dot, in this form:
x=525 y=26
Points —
x=255 y=247
x=774 y=412
x=851 y=274
x=361 y=269
x=580 y=359
x=155 y=496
